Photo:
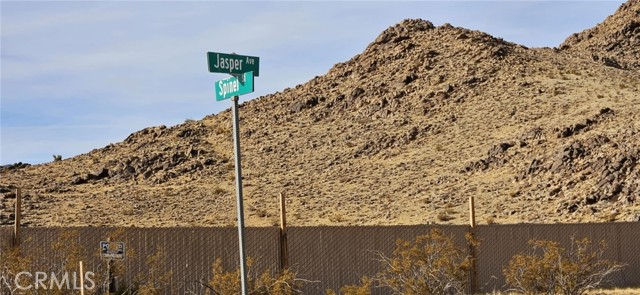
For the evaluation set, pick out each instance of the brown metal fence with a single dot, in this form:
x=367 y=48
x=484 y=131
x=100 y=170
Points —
x=338 y=256
x=6 y=235
x=329 y=256
x=501 y=242
x=188 y=252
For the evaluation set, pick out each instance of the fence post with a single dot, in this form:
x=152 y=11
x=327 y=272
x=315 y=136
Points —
x=472 y=212
x=17 y=221
x=472 y=246
x=81 y=279
x=284 y=248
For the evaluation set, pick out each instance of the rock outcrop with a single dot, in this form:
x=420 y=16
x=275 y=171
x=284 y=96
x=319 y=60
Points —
x=402 y=133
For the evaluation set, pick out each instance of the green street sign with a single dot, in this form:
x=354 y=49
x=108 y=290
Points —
x=233 y=63
x=229 y=87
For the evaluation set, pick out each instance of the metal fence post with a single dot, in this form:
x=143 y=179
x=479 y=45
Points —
x=18 y=217
x=473 y=276
x=284 y=248
x=81 y=279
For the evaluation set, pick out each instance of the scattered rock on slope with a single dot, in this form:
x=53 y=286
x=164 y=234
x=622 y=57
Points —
x=614 y=42
x=402 y=133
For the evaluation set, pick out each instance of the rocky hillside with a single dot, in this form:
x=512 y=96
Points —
x=614 y=42
x=402 y=133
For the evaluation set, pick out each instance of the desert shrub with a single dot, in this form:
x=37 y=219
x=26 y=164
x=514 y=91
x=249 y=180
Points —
x=267 y=283
x=363 y=289
x=60 y=258
x=550 y=269
x=67 y=252
x=156 y=279
x=11 y=263
x=432 y=264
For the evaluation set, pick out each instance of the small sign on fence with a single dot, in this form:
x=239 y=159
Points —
x=112 y=250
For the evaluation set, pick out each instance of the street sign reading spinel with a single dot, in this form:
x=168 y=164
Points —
x=241 y=84
x=233 y=63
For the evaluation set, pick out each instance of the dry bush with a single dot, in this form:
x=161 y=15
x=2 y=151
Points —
x=432 y=264
x=228 y=283
x=67 y=252
x=363 y=289
x=11 y=263
x=550 y=269
x=155 y=280
x=66 y=249
x=60 y=258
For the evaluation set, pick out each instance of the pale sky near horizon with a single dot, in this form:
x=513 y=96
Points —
x=78 y=75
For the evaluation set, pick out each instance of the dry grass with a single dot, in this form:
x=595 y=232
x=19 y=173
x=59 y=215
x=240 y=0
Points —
x=628 y=291
x=342 y=167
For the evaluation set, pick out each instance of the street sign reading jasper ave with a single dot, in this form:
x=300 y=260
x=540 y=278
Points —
x=233 y=63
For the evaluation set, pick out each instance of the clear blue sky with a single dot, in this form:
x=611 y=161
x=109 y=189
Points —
x=79 y=75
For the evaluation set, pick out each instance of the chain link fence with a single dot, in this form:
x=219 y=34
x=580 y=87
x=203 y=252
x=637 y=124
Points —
x=501 y=242
x=328 y=257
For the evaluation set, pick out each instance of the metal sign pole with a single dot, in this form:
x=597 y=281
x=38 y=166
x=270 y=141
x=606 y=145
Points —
x=240 y=83
x=236 y=143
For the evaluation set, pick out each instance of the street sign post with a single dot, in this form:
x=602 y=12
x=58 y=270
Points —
x=234 y=86
x=243 y=68
x=239 y=206
x=233 y=63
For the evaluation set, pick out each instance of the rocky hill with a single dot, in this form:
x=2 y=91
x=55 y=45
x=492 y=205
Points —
x=402 y=133
x=614 y=42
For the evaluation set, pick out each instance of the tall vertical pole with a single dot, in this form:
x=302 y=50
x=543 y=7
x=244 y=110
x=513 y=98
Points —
x=236 y=143
x=81 y=279
x=472 y=212
x=18 y=217
x=472 y=247
x=284 y=248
